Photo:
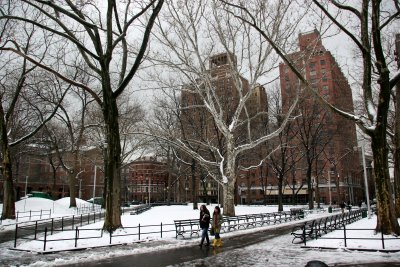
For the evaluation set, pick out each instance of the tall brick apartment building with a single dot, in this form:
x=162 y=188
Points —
x=340 y=177
x=199 y=124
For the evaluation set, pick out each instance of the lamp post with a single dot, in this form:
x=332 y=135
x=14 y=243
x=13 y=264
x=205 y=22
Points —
x=329 y=185
x=26 y=185
x=94 y=185
x=366 y=181
x=149 y=189
x=186 y=190
x=80 y=188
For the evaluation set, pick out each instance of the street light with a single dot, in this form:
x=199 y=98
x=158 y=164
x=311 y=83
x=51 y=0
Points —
x=365 y=179
x=26 y=185
x=149 y=189
x=94 y=185
x=329 y=185
x=80 y=188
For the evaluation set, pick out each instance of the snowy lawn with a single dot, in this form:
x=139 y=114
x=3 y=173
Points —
x=278 y=251
x=370 y=239
x=151 y=222
x=35 y=208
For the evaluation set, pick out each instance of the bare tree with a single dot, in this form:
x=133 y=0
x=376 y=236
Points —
x=100 y=34
x=69 y=142
x=24 y=106
x=369 y=21
x=312 y=135
x=396 y=138
x=284 y=158
x=191 y=33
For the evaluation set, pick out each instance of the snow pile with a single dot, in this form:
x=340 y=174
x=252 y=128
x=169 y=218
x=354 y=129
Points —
x=35 y=208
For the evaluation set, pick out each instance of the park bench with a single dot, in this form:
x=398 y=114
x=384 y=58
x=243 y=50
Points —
x=260 y=219
x=297 y=212
x=140 y=209
x=278 y=217
x=245 y=221
x=230 y=223
x=190 y=226
x=306 y=231
x=287 y=216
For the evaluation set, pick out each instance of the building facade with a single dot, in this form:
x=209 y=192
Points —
x=145 y=180
x=40 y=171
x=337 y=175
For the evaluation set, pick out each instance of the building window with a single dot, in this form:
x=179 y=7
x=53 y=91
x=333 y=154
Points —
x=313 y=72
x=312 y=65
x=324 y=79
x=322 y=62
x=325 y=87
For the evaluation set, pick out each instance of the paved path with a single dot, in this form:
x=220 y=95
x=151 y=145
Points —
x=185 y=254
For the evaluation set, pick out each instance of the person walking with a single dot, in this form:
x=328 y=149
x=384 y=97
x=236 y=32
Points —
x=204 y=225
x=342 y=206
x=217 y=221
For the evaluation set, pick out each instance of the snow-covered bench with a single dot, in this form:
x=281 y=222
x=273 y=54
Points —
x=189 y=226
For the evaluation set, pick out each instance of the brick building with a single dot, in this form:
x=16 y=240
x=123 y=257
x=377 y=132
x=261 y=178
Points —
x=339 y=175
x=35 y=172
x=145 y=179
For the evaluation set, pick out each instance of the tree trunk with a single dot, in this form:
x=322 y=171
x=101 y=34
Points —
x=396 y=153
x=194 y=185
x=387 y=221
x=229 y=186
x=397 y=136
x=112 y=170
x=8 y=187
x=229 y=198
x=310 y=189
x=280 y=193
x=72 y=189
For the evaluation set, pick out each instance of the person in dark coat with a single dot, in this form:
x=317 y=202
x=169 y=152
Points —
x=216 y=224
x=204 y=224
x=342 y=206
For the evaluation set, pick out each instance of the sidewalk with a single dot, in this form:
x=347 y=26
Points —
x=189 y=253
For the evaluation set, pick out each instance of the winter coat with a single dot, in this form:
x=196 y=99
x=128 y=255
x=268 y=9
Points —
x=204 y=219
x=218 y=220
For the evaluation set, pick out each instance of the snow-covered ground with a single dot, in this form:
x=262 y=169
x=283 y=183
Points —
x=278 y=251
x=34 y=205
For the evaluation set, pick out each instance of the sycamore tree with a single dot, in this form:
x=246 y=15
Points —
x=189 y=34
x=111 y=38
x=365 y=23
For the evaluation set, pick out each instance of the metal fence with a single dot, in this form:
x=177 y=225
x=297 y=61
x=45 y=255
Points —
x=230 y=223
x=54 y=225
x=138 y=231
x=87 y=208
x=347 y=236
